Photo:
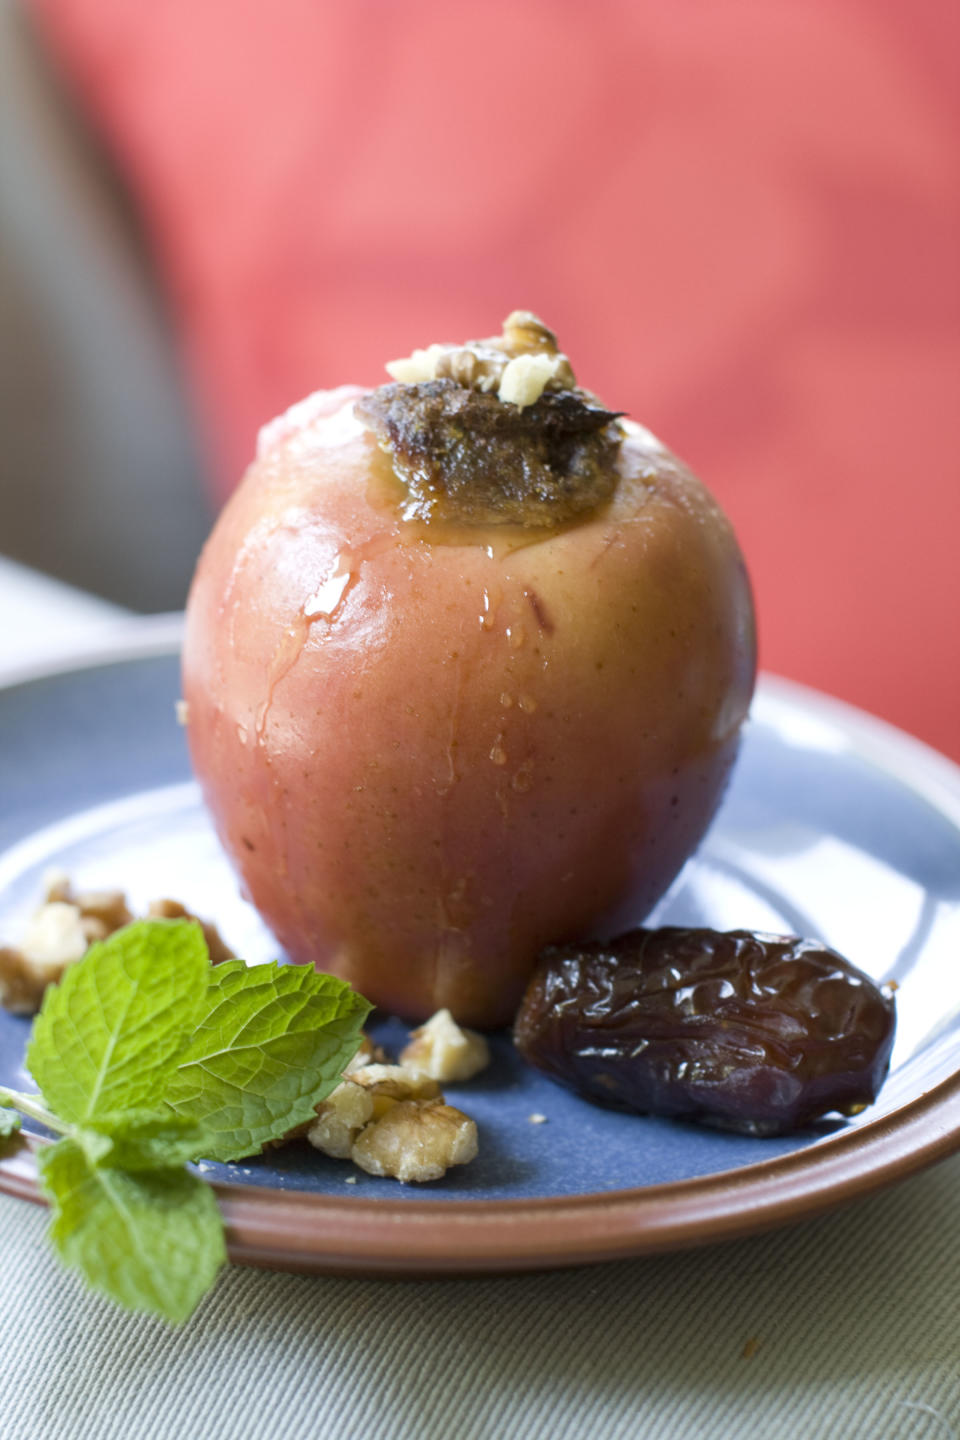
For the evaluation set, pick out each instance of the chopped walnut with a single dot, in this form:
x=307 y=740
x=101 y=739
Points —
x=58 y=933
x=392 y=1120
x=62 y=930
x=388 y=1084
x=416 y=1140
x=416 y=368
x=22 y=984
x=520 y=364
x=107 y=908
x=526 y=377
x=340 y=1118
x=54 y=938
x=173 y=910
x=525 y=333
x=441 y=1049
x=101 y=911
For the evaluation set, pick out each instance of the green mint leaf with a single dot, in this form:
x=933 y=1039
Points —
x=274 y=1042
x=152 y=1241
x=110 y=1033
x=9 y=1124
x=143 y=1140
x=95 y=1147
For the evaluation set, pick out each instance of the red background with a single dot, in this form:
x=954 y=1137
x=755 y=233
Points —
x=741 y=217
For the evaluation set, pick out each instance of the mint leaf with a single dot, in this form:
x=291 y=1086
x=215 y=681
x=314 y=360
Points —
x=274 y=1042
x=143 y=1140
x=109 y=1034
x=152 y=1241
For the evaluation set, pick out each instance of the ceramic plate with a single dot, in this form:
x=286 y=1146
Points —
x=836 y=826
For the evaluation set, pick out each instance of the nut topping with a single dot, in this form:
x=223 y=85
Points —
x=520 y=364
x=441 y=1049
x=62 y=929
x=392 y=1120
x=416 y=1140
x=340 y=1118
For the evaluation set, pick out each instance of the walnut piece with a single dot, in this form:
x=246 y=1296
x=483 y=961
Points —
x=63 y=928
x=54 y=938
x=415 y=1141
x=340 y=1118
x=441 y=1049
x=525 y=378
x=101 y=911
x=105 y=909
x=388 y=1084
x=22 y=984
x=525 y=333
x=392 y=1120
x=520 y=364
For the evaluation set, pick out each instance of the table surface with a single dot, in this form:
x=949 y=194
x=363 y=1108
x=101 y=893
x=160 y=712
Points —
x=848 y=1325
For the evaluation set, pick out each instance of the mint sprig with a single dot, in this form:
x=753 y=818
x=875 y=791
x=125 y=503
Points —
x=148 y=1058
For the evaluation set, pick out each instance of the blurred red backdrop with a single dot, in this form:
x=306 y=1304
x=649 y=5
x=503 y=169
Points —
x=742 y=218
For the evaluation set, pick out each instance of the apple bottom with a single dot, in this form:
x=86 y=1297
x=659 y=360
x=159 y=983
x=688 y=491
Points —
x=425 y=895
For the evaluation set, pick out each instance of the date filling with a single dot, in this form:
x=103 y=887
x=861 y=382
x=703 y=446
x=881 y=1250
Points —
x=495 y=432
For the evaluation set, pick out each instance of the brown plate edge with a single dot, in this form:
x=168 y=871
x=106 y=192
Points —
x=321 y=1234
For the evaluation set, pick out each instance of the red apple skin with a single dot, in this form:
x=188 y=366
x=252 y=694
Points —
x=489 y=742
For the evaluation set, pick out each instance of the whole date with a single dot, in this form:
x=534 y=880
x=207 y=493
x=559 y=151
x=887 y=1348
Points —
x=751 y=1032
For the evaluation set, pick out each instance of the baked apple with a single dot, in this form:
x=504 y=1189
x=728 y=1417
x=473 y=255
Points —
x=466 y=662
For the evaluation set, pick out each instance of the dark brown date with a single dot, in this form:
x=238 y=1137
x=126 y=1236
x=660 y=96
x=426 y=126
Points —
x=751 y=1032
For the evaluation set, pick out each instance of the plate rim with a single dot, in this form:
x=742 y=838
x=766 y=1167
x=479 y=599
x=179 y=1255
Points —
x=320 y=1233
x=301 y=1230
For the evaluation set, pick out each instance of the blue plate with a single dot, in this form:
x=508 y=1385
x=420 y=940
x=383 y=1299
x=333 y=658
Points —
x=835 y=827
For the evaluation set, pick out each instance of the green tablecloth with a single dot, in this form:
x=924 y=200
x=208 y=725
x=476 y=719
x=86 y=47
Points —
x=847 y=1327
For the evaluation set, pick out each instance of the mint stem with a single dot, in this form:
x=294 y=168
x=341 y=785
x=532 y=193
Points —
x=30 y=1105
